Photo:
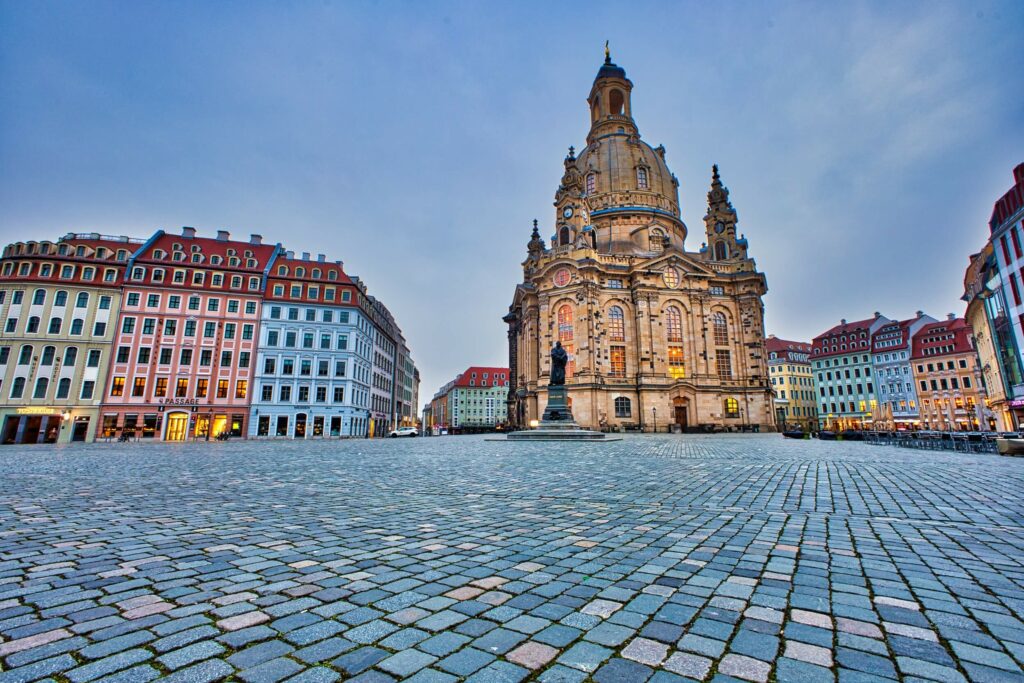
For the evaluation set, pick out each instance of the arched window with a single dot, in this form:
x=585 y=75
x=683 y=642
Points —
x=674 y=336
x=657 y=240
x=83 y=300
x=565 y=335
x=76 y=326
x=591 y=183
x=63 y=388
x=616 y=101
x=641 y=178
x=732 y=407
x=33 y=325
x=721 y=329
x=70 y=355
x=25 y=356
x=18 y=387
x=616 y=324
x=61 y=299
x=721 y=253
x=623 y=407
x=563 y=235
x=39 y=297
x=48 y=353
x=55 y=324
x=42 y=384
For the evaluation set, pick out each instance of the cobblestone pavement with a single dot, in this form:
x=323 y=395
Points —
x=708 y=558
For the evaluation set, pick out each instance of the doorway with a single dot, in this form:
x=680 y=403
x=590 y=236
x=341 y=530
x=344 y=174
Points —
x=220 y=424
x=177 y=427
x=300 y=426
x=81 y=429
x=681 y=413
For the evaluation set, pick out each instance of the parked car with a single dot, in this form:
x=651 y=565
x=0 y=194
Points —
x=404 y=431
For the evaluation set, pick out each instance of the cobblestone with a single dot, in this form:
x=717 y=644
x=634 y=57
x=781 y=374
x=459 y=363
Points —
x=440 y=560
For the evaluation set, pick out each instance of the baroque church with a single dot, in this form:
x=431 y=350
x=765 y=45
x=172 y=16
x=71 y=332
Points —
x=656 y=335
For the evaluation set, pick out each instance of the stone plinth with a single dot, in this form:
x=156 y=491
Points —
x=557 y=423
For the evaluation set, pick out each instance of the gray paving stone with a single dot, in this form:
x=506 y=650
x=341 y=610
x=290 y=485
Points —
x=891 y=562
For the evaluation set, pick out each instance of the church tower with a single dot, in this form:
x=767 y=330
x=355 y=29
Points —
x=720 y=224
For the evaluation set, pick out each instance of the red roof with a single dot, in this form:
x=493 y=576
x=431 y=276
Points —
x=1011 y=202
x=320 y=274
x=894 y=330
x=783 y=348
x=854 y=336
x=943 y=338
x=496 y=377
x=231 y=255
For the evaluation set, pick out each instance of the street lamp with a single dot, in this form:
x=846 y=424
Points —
x=654 y=409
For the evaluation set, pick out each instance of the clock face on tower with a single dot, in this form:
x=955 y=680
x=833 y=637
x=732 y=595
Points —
x=567 y=212
x=719 y=227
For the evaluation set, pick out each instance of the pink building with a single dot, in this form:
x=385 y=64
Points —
x=185 y=341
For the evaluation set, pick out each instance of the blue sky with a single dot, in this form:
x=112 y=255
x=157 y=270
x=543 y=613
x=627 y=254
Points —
x=863 y=143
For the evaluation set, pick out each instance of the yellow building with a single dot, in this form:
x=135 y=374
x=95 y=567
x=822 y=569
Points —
x=789 y=370
x=657 y=335
x=58 y=307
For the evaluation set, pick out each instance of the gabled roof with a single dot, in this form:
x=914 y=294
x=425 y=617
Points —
x=942 y=338
x=783 y=348
x=496 y=377
x=855 y=336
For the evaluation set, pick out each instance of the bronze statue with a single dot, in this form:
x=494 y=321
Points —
x=558 y=360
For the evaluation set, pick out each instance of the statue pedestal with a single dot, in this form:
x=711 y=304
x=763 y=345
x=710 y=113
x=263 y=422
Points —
x=557 y=423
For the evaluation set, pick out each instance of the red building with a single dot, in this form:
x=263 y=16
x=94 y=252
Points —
x=186 y=337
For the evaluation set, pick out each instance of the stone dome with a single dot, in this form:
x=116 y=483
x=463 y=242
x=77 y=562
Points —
x=621 y=164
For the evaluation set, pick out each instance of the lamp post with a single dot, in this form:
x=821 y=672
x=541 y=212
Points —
x=654 y=409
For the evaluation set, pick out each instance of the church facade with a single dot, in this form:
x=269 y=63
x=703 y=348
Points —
x=656 y=335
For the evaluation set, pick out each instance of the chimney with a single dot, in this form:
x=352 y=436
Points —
x=305 y=256
x=223 y=235
x=188 y=233
x=321 y=258
x=340 y=264
x=255 y=239
x=920 y=314
x=843 y=321
x=877 y=315
x=951 y=316
x=289 y=254
x=771 y=336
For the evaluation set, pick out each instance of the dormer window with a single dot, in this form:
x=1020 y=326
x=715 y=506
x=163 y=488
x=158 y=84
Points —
x=215 y=260
x=641 y=178
x=282 y=270
x=331 y=275
x=62 y=250
x=250 y=263
x=300 y=272
x=316 y=274
x=233 y=261
x=122 y=254
x=197 y=258
x=591 y=183
x=179 y=256
x=80 y=251
x=247 y=253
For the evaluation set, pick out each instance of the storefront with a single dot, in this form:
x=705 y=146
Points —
x=171 y=422
x=45 y=424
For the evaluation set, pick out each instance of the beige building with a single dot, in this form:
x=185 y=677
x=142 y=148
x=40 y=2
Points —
x=978 y=295
x=789 y=367
x=58 y=306
x=657 y=335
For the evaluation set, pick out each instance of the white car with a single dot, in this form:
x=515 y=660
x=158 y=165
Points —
x=404 y=431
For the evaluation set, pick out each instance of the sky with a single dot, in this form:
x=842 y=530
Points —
x=863 y=143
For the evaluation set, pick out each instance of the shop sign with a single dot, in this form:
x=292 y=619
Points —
x=38 y=410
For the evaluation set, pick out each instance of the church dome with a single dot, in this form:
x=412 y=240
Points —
x=620 y=169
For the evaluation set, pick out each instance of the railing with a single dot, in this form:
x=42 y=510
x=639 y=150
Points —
x=965 y=442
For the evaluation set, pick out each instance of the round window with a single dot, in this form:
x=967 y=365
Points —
x=671 y=277
x=562 y=277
